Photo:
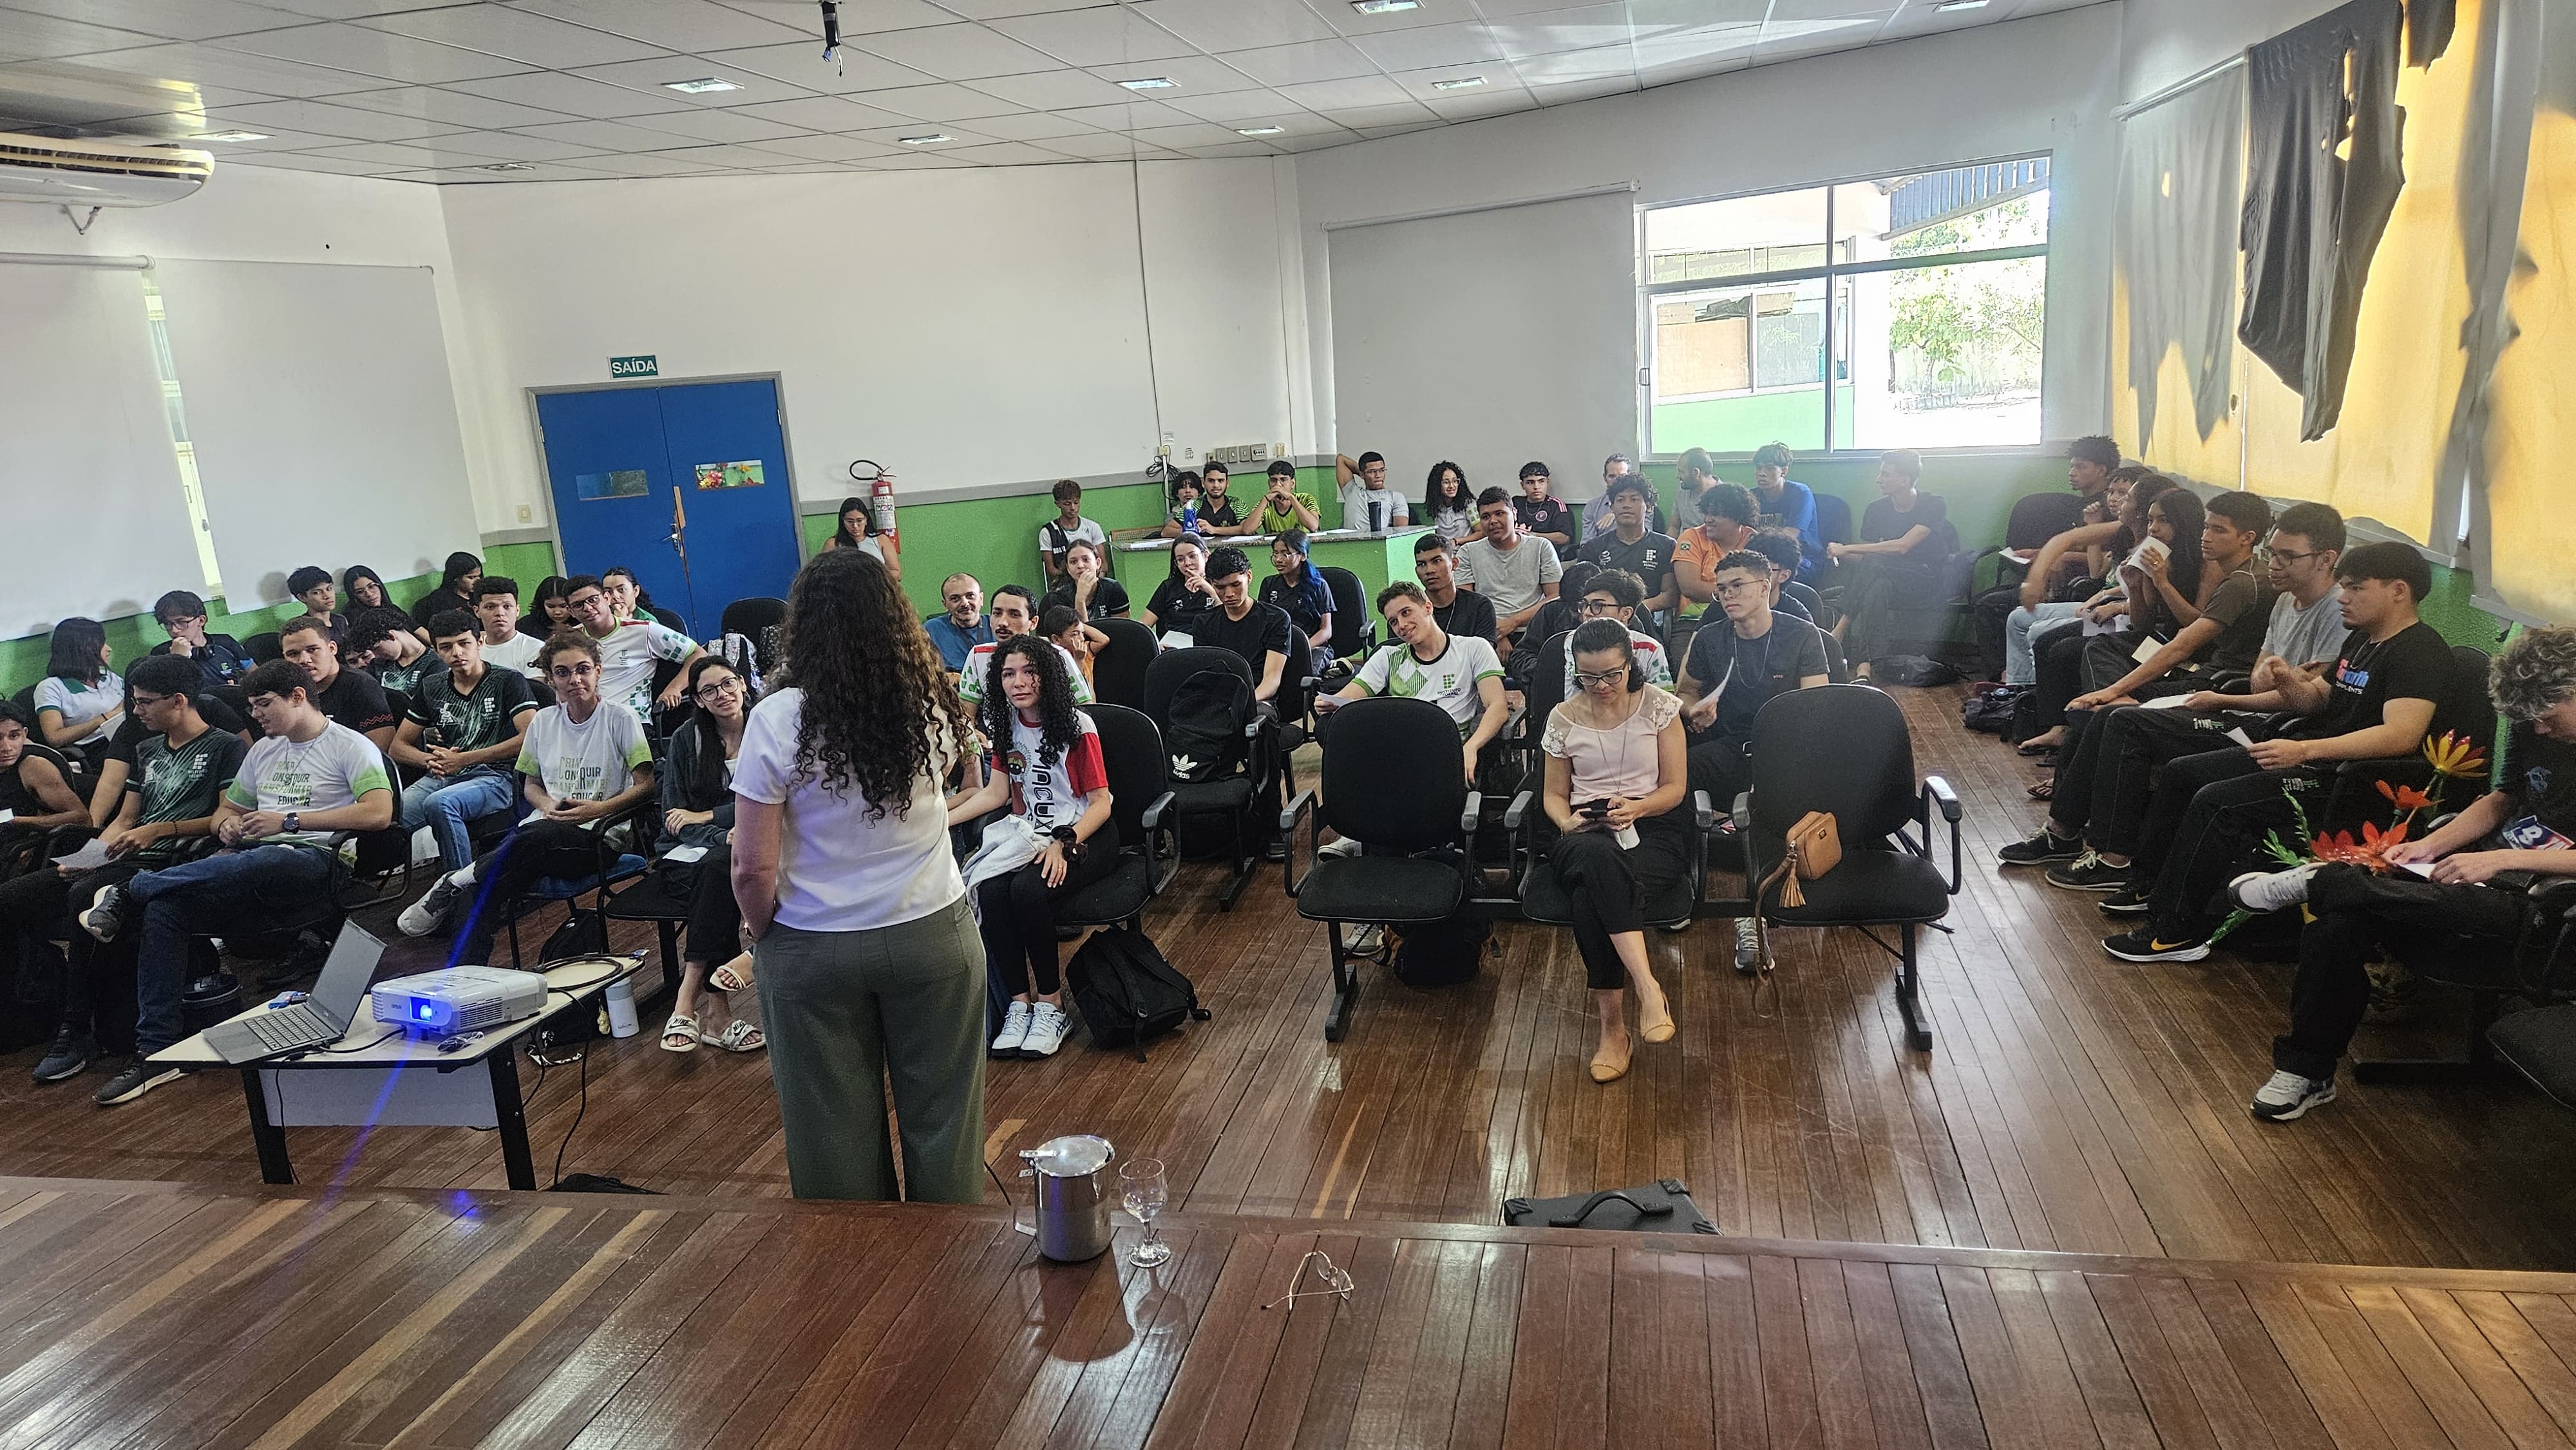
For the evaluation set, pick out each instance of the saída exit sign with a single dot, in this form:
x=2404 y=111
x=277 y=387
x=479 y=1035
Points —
x=643 y=365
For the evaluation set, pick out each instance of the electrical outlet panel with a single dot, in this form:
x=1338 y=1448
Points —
x=1237 y=453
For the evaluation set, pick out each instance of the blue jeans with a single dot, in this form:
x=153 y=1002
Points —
x=450 y=805
x=2019 y=667
x=257 y=888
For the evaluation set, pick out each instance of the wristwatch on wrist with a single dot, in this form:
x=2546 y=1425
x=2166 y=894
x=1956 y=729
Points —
x=294 y=822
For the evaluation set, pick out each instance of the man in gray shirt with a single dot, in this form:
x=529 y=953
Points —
x=1514 y=572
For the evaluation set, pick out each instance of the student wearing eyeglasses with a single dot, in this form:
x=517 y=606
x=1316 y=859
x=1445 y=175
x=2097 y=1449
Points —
x=697 y=811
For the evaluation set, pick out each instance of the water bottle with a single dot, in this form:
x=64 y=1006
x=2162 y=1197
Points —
x=1190 y=517
x=620 y=1000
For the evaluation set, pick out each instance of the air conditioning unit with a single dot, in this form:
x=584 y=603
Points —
x=98 y=173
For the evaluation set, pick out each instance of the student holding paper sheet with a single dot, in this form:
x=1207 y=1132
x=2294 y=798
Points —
x=2464 y=881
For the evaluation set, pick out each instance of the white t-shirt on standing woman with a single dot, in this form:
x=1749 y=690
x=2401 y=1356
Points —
x=840 y=868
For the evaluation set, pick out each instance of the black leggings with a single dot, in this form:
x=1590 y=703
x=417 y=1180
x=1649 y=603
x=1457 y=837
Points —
x=1018 y=915
x=1610 y=886
x=540 y=849
x=98 y=992
x=715 y=922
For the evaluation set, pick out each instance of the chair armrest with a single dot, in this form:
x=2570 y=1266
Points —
x=2555 y=895
x=1937 y=791
x=1518 y=808
x=1152 y=819
x=1742 y=811
x=1703 y=815
x=1298 y=809
x=2379 y=765
x=1473 y=813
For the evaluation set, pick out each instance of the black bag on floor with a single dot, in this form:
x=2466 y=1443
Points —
x=1992 y=712
x=1127 y=993
x=1441 y=953
x=1660 y=1207
x=583 y=934
x=1920 y=672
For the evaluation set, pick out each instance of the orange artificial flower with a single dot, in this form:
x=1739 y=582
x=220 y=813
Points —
x=2406 y=797
x=2371 y=851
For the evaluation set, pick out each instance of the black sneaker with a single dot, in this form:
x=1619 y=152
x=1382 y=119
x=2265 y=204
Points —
x=2089 y=872
x=138 y=1078
x=2288 y=1095
x=106 y=915
x=2143 y=945
x=71 y=1054
x=2044 y=847
x=2129 y=900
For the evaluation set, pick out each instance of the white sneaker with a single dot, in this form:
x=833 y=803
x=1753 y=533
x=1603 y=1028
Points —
x=1015 y=1030
x=1748 y=945
x=423 y=916
x=2272 y=890
x=1339 y=846
x=1047 y=1026
x=2288 y=1095
x=1368 y=941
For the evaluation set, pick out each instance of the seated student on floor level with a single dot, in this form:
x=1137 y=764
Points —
x=1298 y=589
x=2090 y=462
x=1015 y=613
x=347 y=697
x=1460 y=673
x=496 y=610
x=308 y=779
x=2210 y=811
x=2070 y=564
x=1628 y=544
x=1726 y=523
x=1261 y=633
x=697 y=812
x=1543 y=517
x=312 y=586
x=116 y=765
x=380 y=644
x=1087 y=589
x=961 y=625
x=462 y=733
x=1184 y=591
x=220 y=658
x=1731 y=671
x=80 y=699
x=1615 y=595
x=35 y=781
x=2472 y=901
x=1788 y=504
x=1459 y=611
x=184 y=763
x=1788 y=596
x=1514 y=572
x=1044 y=764
x=1059 y=625
x=1906 y=544
x=456 y=586
x=582 y=760
x=1057 y=534
x=628 y=651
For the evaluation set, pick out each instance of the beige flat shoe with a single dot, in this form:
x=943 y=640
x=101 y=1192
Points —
x=1606 y=1068
x=1656 y=1026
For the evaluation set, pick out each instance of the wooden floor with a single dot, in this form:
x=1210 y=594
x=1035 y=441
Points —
x=157 y=1315
x=2069 y=1103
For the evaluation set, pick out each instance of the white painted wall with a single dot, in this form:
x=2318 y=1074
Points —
x=2164 y=41
x=2043 y=84
x=964 y=327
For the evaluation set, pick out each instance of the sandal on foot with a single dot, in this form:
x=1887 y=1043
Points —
x=733 y=976
x=738 y=1036
x=680 y=1034
x=2045 y=790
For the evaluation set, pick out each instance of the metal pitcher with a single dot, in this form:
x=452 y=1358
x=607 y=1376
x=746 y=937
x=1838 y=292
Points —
x=1074 y=1189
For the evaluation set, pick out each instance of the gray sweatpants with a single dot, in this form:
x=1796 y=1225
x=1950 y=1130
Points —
x=848 y=1010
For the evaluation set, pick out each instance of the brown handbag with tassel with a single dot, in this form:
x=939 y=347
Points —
x=1815 y=846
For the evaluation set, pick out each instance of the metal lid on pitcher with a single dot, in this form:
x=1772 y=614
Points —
x=1073 y=1156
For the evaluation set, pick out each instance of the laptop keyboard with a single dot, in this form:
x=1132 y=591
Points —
x=289 y=1027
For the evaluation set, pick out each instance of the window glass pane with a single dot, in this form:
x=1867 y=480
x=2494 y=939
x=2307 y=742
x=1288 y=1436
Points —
x=1965 y=208
x=1735 y=368
x=1943 y=356
x=1713 y=239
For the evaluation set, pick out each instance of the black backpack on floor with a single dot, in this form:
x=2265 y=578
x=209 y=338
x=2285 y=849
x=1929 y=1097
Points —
x=1127 y=993
x=1441 y=953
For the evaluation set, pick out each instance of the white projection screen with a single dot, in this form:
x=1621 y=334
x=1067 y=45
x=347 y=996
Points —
x=324 y=423
x=1489 y=338
x=86 y=461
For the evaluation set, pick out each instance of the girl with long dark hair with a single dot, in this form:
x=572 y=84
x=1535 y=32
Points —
x=1447 y=505
x=1045 y=765
x=698 y=811
x=80 y=701
x=549 y=610
x=858 y=530
x=456 y=581
x=868 y=959
x=362 y=588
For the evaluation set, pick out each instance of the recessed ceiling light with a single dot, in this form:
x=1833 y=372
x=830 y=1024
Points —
x=1148 y=83
x=932 y=139
x=1258 y=130
x=1946 y=6
x=507 y=166
x=700 y=86
x=1384 y=7
x=1470 y=82
x=232 y=136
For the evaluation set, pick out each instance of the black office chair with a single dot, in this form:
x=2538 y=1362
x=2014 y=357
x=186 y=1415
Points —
x=1118 y=669
x=1141 y=802
x=1354 y=623
x=1544 y=898
x=2538 y=969
x=754 y=619
x=1247 y=791
x=1391 y=782
x=263 y=647
x=2541 y=1043
x=1866 y=781
x=1833 y=518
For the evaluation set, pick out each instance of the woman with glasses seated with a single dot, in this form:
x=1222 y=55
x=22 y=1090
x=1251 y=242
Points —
x=697 y=811
x=1616 y=770
x=1616 y=595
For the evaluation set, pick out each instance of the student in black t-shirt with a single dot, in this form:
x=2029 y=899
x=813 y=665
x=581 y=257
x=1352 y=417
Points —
x=1259 y=632
x=462 y=734
x=1905 y=548
x=455 y=590
x=1456 y=610
x=1087 y=590
x=1628 y=544
x=1549 y=517
x=117 y=765
x=1784 y=549
x=2210 y=811
x=219 y=657
x=36 y=780
x=346 y=697
x=1217 y=512
x=2481 y=865
x=1185 y=592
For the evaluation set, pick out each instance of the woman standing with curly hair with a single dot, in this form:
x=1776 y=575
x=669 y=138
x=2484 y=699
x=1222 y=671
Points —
x=867 y=959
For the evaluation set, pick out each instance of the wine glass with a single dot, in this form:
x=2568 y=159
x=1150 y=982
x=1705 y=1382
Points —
x=1141 y=1186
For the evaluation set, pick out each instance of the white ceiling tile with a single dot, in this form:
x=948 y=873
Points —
x=1001 y=9
x=1135 y=116
x=1411 y=113
x=307 y=161
x=499 y=30
x=1582 y=28
x=574 y=95
x=892 y=136
x=1491 y=99
x=1650 y=15
x=163 y=19
x=1045 y=90
x=1512 y=9
x=681 y=25
x=956 y=52
x=230 y=70
x=1238 y=147
x=469 y=176
x=1093 y=145
x=858 y=17
x=44 y=37
x=386 y=153
x=1370 y=90
x=1693 y=71
x=1107 y=36
x=1425 y=46
x=1606 y=62
x=1183 y=138
x=1351 y=23
x=1584 y=90
x=1189 y=75
x=802 y=64
x=272 y=138
x=1223 y=25
x=374 y=52
x=818 y=113
x=942 y=103
x=909 y=161
x=729 y=127
x=1708 y=46
x=1234 y=108
x=457 y=109
x=324 y=119
x=1318 y=142
x=651 y=163
x=1290 y=123
x=353 y=9
x=610 y=136
x=511 y=146
x=1030 y=126
x=751 y=88
x=824 y=148
x=735 y=158
x=1374 y=133
x=1005 y=153
x=1312 y=60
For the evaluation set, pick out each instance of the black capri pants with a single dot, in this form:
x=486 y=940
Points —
x=715 y=922
x=1018 y=915
x=1610 y=885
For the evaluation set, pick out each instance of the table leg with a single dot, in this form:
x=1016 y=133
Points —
x=269 y=1138
x=507 y=1107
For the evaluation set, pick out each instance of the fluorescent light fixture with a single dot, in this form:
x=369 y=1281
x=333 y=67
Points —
x=1384 y=7
x=232 y=136
x=1258 y=130
x=933 y=139
x=1946 y=6
x=1464 y=83
x=700 y=86
x=507 y=166
x=1148 y=83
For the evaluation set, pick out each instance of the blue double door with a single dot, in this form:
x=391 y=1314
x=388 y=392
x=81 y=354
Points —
x=627 y=465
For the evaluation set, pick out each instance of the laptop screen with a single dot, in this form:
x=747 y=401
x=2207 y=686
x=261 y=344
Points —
x=347 y=974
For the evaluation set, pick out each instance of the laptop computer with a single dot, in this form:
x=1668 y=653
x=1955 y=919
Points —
x=319 y=1022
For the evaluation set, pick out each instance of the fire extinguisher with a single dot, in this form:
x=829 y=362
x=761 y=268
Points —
x=880 y=497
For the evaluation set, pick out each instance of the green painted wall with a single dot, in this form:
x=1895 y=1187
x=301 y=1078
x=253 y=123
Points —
x=22 y=661
x=1739 y=424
